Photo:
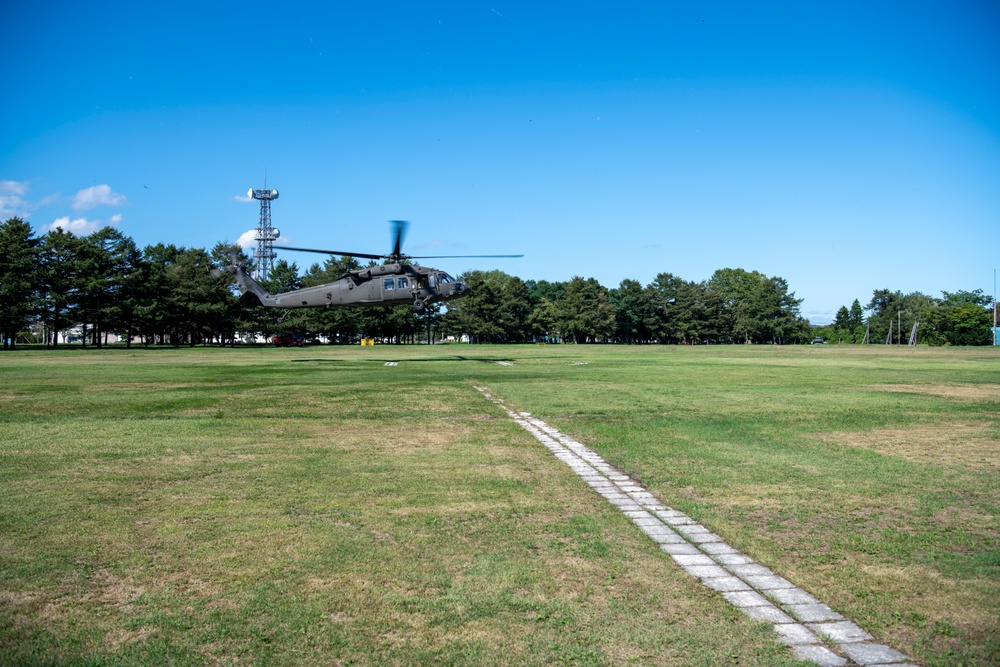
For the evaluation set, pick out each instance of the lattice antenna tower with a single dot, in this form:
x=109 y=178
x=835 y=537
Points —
x=265 y=234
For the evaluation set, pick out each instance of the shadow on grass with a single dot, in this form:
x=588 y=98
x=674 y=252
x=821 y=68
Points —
x=482 y=360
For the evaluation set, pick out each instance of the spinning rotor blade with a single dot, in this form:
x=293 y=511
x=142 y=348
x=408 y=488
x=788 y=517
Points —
x=332 y=252
x=400 y=227
x=455 y=256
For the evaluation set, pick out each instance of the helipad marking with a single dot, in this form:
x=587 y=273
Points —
x=799 y=619
x=392 y=363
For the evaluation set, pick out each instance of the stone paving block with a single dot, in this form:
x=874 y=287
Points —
x=768 y=613
x=719 y=548
x=642 y=514
x=723 y=584
x=873 y=654
x=702 y=538
x=793 y=633
x=692 y=529
x=841 y=632
x=745 y=599
x=668 y=538
x=768 y=582
x=693 y=559
x=749 y=570
x=813 y=613
x=705 y=571
x=727 y=558
x=821 y=655
x=679 y=548
x=651 y=521
x=791 y=596
x=675 y=520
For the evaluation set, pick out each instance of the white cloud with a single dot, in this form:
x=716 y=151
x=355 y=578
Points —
x=49 y=200
x=16 y=188
x=247 y=240
x=12 y=199
x=243 y=198
x=98 y=195
x=80 y=226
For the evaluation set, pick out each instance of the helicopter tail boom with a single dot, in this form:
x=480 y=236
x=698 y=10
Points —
x=253 y=293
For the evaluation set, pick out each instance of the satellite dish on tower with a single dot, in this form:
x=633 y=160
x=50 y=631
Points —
x=263 y=195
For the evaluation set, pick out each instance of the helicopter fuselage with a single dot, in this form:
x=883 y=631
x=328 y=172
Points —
x=381 y=285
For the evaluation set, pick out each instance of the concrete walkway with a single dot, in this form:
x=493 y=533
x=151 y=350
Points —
x=813 y=630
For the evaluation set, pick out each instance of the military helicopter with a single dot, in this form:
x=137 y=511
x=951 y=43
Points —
x=391 y=284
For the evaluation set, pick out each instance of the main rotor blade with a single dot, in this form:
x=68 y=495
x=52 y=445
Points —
x=453 y=256
x=400 y=227
x=364 y=255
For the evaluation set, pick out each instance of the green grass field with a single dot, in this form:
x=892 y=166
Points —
x=315 y=506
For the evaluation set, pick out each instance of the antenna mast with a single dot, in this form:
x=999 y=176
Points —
x=265 y=234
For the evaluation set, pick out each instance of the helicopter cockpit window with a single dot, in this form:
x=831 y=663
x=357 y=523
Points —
x=388 y=284
x=431 y=280
x=402 y=283
x=444 y=278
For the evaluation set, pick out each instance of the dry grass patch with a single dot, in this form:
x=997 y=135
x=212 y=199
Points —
x=973 y=392
x=952 y=445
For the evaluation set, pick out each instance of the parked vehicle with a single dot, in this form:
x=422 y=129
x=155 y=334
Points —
x=289 y=340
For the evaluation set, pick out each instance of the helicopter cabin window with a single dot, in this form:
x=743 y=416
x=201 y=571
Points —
x=431 y=280
x=401 y=283
x=388 y=284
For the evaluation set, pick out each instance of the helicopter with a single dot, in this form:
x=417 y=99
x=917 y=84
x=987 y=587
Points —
x=394 y=283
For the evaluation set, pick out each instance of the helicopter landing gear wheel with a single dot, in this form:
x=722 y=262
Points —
x=419 y=305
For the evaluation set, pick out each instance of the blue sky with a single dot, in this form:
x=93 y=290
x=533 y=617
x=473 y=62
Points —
x=845 y=147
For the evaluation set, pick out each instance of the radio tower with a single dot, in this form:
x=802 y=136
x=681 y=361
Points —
x=265 y=234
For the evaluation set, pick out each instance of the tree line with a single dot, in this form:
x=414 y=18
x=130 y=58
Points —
x=957 y=318
x=103 y=284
